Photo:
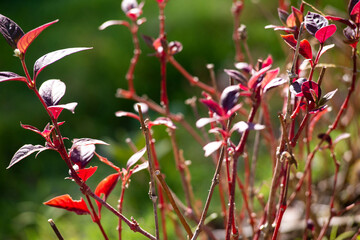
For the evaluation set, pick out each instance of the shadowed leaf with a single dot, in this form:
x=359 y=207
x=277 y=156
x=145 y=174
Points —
x=67 y=203
x=311 y=91
x=82 y=154
x=29 y=37
x=236 y=75
x=25 y=151
x=10 y=30
x=52 y=57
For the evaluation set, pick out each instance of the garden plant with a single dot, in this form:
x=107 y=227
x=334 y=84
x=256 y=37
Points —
x=291 y=117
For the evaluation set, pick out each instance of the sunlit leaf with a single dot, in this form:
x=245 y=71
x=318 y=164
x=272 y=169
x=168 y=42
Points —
x=25 y=151
x=162 y=121
x=211 y=147
x=325 y=32
x=67 y=203
x=325 y=48
x=29 y=37
x=140 y=167
x=57 y=109
x=52 y=91
x=274 y=83
x=105 y=187
x=314 y=22
x=203 y=121
x=52 y=57
x=135 y=157
x=127 y=114
x=10 y=30
x=108 y=162
x=112 y=23
x=243 y=126
x=86 y=173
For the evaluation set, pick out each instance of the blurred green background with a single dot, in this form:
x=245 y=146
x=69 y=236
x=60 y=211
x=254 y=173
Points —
x=204 y=27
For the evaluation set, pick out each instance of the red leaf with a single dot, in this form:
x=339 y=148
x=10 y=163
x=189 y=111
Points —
x=270 y=75
x=213 y=106
x=57 y=109
x=105 y=187
x=106 y=161
x=305 y=47
x=325 y=32
x=67 y=203
x=255 y=77
x=29 y=37
x=86 y=173
x=356 y=11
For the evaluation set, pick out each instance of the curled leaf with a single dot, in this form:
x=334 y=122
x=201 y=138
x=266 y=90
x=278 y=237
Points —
x=229 y=97
x=112 y=23
x=25 y=151
x=56 y=110
x=86 y=173
x=203 y=121
x=135 y=157
x=314 y=22
x=140 y=167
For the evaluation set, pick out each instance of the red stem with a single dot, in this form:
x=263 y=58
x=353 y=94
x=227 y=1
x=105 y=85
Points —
x=95 y=217
x=121 y=201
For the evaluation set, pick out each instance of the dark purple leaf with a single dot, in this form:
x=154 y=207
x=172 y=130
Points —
x=29 y=37
x=10 y=76
x=82 y=154
x=274 y=83
x=314 y=22
x=311 y=91
x=10 y=30
x=135 y=157
x=52 y=57
x=229 y=97
x=52 y=91
x=25 y=151
x=325 y=137
x=283 y=15
x=211 y=147
x=236 y=75
x=148 y=40
x=295 y=87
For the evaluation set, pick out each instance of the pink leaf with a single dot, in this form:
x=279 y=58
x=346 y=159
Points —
x=67 y=203
x=213 y=106
x=10 y=76
x=52 y=57
x=86 y=173
x=105 y=187
x=325 y=32
x=127 y=114
x=29 y=37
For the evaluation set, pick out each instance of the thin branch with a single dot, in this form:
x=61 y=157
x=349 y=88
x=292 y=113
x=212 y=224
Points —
x=55 y=229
